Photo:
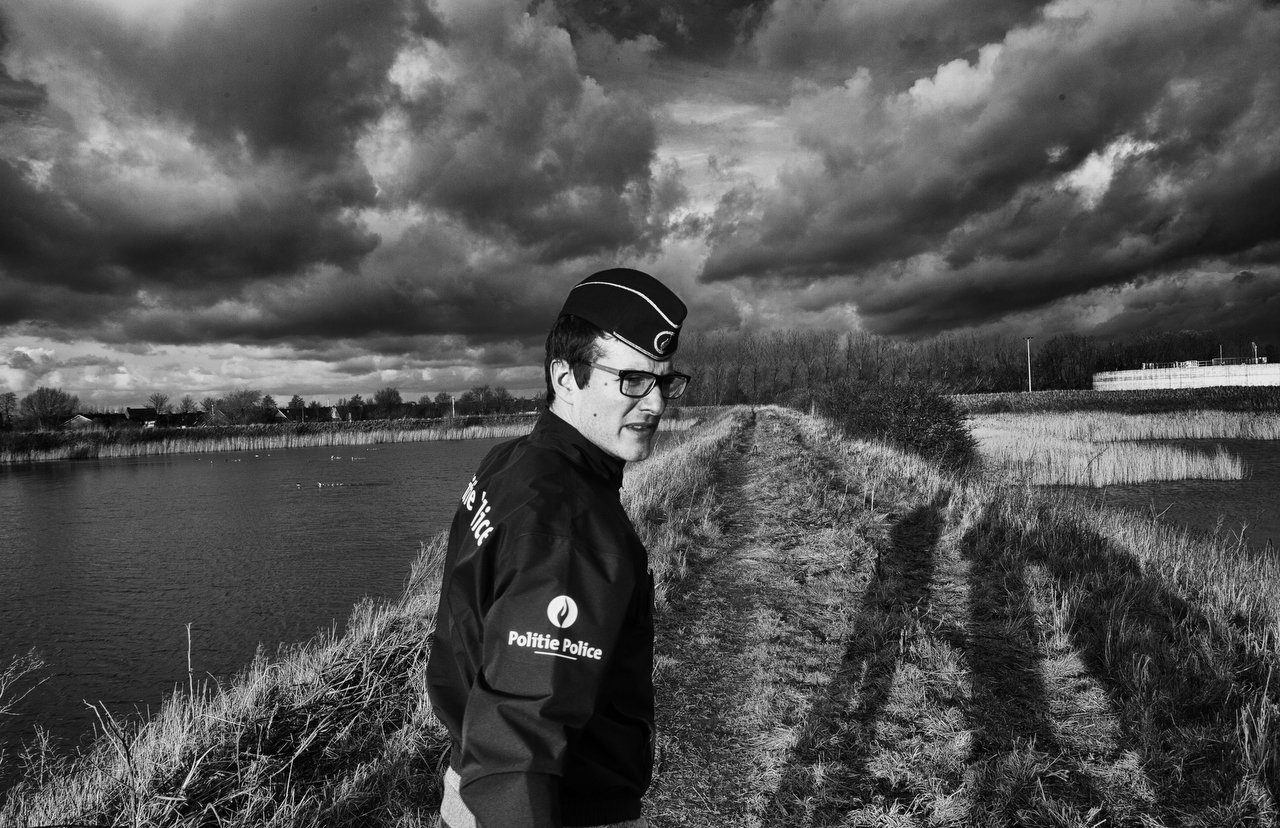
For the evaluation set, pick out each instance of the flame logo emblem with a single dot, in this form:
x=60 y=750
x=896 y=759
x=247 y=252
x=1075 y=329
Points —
x=662 y=341
x=562 y=611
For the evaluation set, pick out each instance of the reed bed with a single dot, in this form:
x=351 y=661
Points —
x=1106 y=426
x=336 y=731
x=1063 y=462
x=53 y=446
x=1112 y=449
x=1261 y=399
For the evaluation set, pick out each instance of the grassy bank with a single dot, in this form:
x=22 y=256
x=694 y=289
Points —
x=847 y=636
x=43 y=446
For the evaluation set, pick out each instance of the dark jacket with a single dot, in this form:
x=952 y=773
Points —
x=542 y=661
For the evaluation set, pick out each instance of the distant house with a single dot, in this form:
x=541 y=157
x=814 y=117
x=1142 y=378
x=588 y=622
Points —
x=145 y=417
x=108 y=419
x=179 y=419
x=96 y=420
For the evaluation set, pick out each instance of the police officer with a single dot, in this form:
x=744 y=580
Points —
x=541 y=665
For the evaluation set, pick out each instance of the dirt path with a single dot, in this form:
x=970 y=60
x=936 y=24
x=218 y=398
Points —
x=757 y=630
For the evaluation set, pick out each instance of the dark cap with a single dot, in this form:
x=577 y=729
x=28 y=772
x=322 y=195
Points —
x=632 y=306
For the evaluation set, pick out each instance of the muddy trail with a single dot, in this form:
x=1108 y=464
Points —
x=863 y=647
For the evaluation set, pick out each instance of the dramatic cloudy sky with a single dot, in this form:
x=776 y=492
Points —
x=326 y=197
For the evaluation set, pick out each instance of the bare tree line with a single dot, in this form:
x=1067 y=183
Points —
x=731 y=367
x=741 y=367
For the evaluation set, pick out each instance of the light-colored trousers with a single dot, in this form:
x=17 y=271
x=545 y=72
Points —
x=455 y=814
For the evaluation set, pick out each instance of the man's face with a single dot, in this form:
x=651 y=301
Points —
x=619 y=425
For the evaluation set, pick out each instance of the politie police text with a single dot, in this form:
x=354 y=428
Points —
x=547 y=645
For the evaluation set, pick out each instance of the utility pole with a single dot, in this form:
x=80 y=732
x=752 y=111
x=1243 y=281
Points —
x=1028 y=338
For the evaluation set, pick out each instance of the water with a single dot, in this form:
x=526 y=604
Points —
x=1230 y=507
x=104 y=563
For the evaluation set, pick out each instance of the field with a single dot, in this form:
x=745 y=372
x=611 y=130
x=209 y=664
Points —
x=847 y=636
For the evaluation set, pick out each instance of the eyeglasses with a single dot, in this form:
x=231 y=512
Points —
x=640 y=383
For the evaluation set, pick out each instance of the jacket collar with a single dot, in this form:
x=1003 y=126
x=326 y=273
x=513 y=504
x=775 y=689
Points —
x=562 y=436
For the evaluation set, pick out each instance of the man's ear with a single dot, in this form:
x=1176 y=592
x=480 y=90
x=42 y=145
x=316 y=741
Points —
x=562 y=380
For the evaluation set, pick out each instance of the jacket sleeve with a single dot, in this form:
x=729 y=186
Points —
x=549 y=634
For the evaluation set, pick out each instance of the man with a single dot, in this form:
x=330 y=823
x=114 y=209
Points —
x=541 y=667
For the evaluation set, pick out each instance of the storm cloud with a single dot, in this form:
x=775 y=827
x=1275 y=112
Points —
x=208 y=163
x=1095 y=145
x=402 y=190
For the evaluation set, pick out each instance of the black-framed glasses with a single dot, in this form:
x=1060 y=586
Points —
x=640 y=383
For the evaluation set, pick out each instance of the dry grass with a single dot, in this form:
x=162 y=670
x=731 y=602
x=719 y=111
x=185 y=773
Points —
x=1107 y=426
x=1264 y=399
x=1109 y=449
x=1072 y=666
x=672 y=496
x=15 y=674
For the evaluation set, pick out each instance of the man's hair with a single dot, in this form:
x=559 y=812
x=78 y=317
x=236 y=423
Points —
x=577 y=342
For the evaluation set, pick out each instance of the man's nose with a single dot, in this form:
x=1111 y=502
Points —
x=653 y=403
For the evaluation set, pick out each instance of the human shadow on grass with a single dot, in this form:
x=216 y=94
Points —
x=843 y=721
x=1173 y=677
x=1017 y=770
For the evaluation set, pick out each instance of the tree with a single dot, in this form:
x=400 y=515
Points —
x=8 y=407
x=354 y=407
x=160 y=402
x=210 y=407
x=268 y=409
x=48 y=407
x=297 y=408
x=386 y=401
x=242 y=406
x=1065 y=361
x=484 y=399
x=316 y=411
x=187 y=405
